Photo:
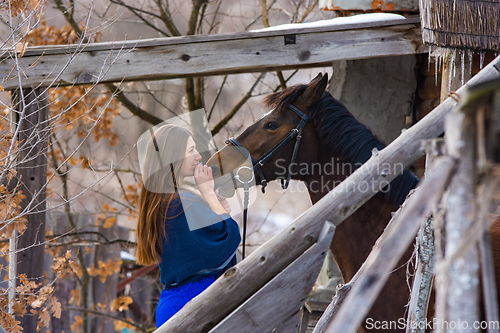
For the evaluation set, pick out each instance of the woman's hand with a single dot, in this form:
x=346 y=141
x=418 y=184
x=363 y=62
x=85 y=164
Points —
x=204 y=180
x=225 y=205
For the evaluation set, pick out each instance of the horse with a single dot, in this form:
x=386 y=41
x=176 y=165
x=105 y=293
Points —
x=331 y=136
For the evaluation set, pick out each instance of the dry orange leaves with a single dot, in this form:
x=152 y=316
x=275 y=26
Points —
x=121 y=303
x=42 y=303
x=105 y=269
x=9 y=212
x=83 y=108
x=63 y=265
x=15 y=7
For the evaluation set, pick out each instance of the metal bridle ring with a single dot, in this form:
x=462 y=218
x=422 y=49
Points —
x=237 y=176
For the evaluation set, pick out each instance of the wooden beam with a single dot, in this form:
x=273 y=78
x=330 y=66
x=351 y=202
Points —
x=284 y=295
x=240 y=282
x=423 y=277
x=192 y=56
x=32 y=106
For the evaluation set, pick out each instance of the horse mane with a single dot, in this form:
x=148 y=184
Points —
x=344 y=135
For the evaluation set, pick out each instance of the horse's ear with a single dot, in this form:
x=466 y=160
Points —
x=316 y=79
x=315 y=90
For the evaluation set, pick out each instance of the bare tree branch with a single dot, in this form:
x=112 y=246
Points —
x=70 y=19
x=193 y=19
x=282 y=79
x=264 y=13
x=166 y=17
x=136 y=12
x=237 y=107
x=308 y=11
x=136 y=111
x=217 y=97
x=143 y=329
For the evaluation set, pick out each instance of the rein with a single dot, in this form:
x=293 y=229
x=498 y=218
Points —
x=258 y=164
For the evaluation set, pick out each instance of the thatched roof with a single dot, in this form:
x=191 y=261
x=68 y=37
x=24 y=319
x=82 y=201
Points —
x=466 y=24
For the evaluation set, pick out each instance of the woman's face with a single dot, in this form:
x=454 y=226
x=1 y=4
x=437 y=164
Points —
x=191 y=159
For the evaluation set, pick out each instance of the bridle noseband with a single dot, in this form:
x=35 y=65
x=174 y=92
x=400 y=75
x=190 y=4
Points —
x=258 y=164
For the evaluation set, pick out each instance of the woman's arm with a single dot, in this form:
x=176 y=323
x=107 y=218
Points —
x=205 y=182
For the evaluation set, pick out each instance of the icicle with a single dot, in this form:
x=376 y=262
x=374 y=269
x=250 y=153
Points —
x=462 y=60
x=429 y=58
x=453 y=64
x=451 y=72
x=436 y=63
x=481 y=59
x=470 y=53
x=440 y=60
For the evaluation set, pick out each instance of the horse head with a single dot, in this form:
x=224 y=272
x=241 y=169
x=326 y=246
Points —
x=270 y=142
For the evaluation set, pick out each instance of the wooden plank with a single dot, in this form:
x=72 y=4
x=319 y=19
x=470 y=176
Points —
x=284 y=295
x=33 y=135
x=212 y=55
x=152 y=42
x=456 y=300
x=424 y=272
x=390 y=247
x=292 y=324
x=246 y=278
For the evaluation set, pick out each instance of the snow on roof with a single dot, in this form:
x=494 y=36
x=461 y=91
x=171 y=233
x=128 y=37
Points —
x=362 y=18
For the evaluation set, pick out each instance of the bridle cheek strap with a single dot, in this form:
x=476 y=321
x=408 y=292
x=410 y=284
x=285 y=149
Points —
x=255 y=164
x=258 y=164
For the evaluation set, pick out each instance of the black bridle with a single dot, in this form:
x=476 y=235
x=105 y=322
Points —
x=258 y=164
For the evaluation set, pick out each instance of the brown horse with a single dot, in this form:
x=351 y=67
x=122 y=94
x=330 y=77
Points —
x=331 y=138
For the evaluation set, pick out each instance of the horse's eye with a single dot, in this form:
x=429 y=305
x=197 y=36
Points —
x=273 y=126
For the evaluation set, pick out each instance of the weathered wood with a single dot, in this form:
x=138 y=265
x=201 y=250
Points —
x=458 y=279
x=487 y=132
x=292 y=324
x=424 y=272
x=243 y=280
x=390 y=247
x=488 y=281
x=32 y=106
x=177 y=57
x=284 y=295
x=334 y=306
x=423 y=279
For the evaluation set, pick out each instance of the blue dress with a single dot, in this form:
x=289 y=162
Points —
x=194 y=254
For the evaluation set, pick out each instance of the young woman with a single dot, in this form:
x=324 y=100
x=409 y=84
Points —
x=192 y=238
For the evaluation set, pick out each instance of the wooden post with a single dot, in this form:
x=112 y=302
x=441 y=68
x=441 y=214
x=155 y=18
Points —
x=424 y=272
x=487 y=134
x=457 y=273
x=32 y=108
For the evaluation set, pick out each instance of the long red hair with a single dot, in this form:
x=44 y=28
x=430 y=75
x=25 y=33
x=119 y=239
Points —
x=163 y=159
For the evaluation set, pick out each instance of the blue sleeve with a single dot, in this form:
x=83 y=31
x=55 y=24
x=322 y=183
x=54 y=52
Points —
x=217 y=235
x=210 y=248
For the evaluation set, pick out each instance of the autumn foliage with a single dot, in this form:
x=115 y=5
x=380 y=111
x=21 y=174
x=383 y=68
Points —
x=77 y=111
